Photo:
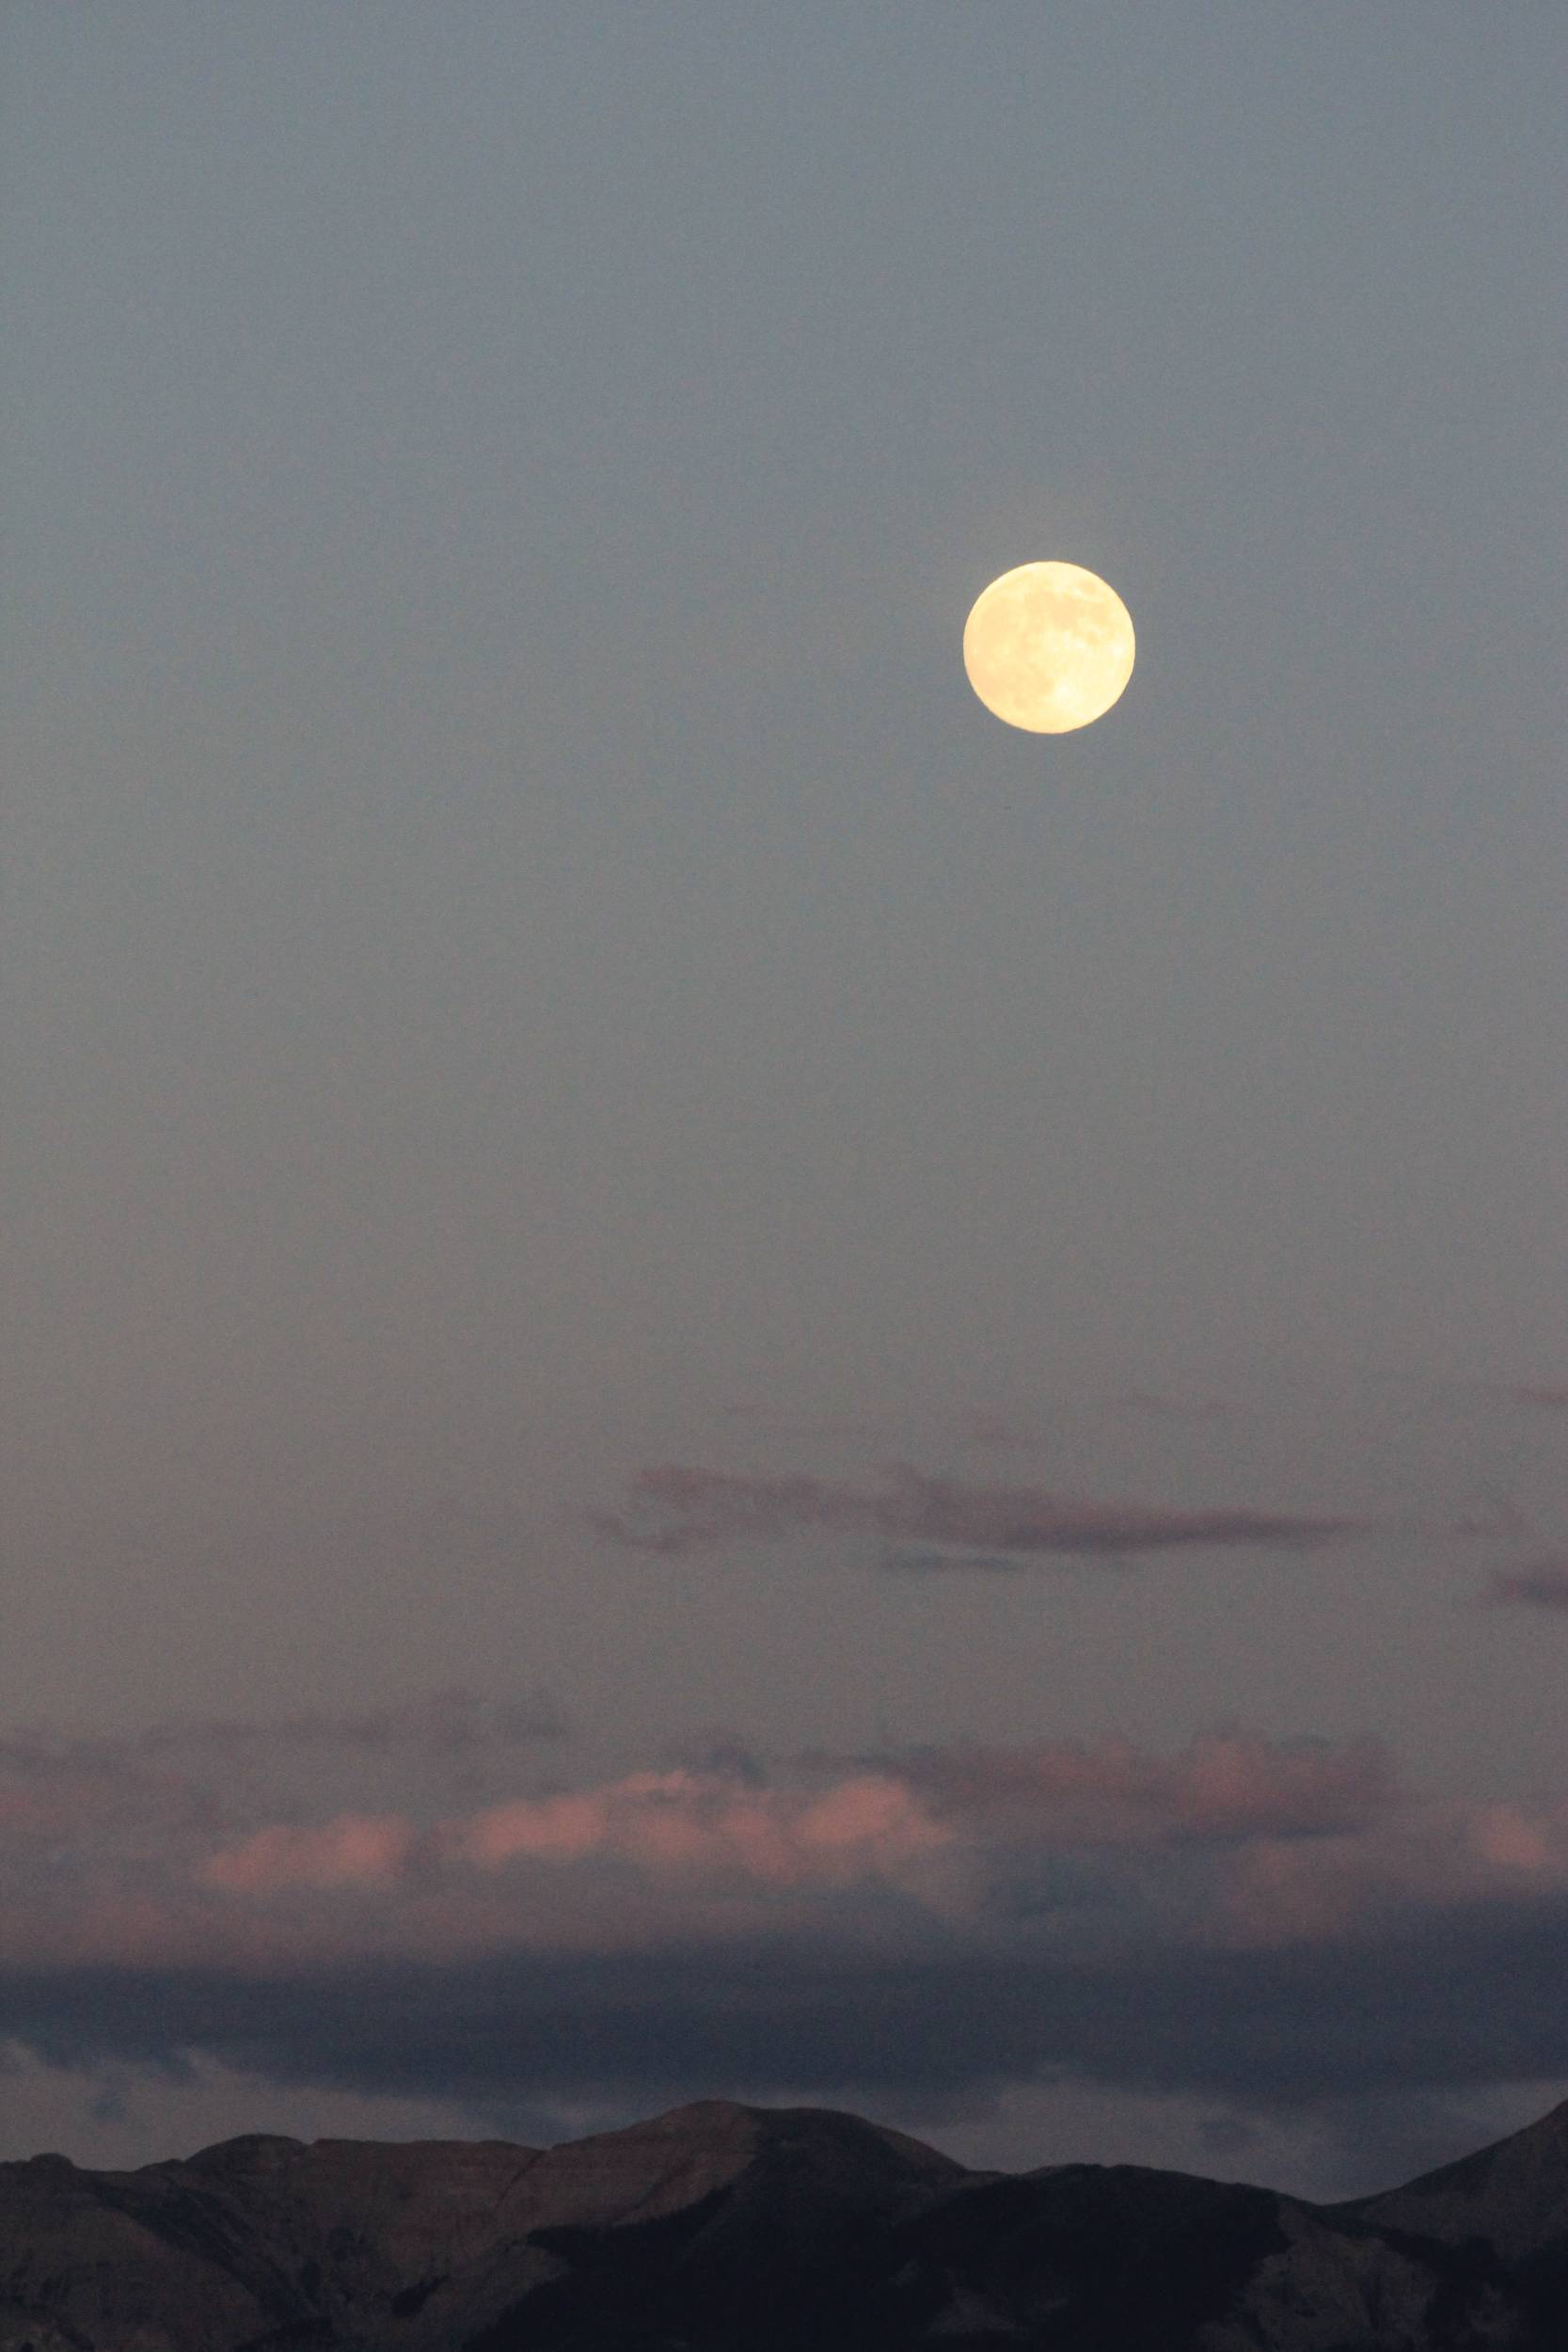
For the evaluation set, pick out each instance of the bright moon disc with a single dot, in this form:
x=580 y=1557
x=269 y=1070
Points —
x=1047 y=646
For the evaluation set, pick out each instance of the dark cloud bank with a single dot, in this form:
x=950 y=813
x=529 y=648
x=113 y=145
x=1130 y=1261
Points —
x=1468 y=1997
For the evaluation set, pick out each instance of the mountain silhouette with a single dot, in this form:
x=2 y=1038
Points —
x=720 y=2227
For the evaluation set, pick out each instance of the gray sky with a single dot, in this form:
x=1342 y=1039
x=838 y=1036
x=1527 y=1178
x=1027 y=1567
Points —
x=523 y=964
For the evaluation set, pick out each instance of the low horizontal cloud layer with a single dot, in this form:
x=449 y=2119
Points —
x=686 y=1823
x=205 y=1771
x=1229 y=1785
x=1274 y=1922
x=1475 y=2000
x=675 y=1509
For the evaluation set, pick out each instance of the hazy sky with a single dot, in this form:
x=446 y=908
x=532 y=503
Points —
x=767 y=1388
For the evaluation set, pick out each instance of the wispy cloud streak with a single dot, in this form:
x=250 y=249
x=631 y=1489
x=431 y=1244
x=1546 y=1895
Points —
x=676 y=1510
x=1539 y=1584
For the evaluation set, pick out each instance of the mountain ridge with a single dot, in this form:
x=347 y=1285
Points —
x=718 y=2224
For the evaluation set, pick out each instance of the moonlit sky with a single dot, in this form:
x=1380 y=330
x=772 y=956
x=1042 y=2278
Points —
x=613 y=1195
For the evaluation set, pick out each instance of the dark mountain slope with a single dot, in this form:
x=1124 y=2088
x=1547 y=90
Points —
x=1513 y=2194
x=717 y=2227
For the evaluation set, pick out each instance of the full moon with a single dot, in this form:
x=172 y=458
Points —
x=1049 y=648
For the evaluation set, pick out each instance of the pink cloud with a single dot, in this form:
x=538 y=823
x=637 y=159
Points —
x=674 y=1510
x=695 y=1823
x=355 y=1850
x=1504 y=1836
x=676 y=1823
x=1428 y=1856
x=543 y=1829
x=1232 y=1841
x=1230 y=1785
x=683 y=1826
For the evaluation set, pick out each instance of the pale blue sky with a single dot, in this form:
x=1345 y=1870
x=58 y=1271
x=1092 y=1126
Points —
x=515 y=937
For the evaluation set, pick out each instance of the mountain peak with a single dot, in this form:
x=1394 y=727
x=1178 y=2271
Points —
x=246 y=2149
